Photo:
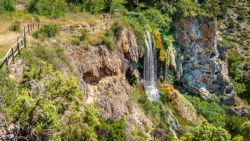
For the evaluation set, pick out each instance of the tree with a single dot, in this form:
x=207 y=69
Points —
x=49 y=8
x=6 y=5
x=107 y=5
x=245 y=129
x=207 y=132
x=132 y=4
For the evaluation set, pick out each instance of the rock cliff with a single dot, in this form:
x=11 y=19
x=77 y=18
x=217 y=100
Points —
x=201 y=60
x=103 y=73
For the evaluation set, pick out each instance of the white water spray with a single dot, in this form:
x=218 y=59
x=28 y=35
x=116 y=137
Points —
x=150 y=69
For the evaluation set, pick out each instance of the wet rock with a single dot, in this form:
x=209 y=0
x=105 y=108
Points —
x=180 y=104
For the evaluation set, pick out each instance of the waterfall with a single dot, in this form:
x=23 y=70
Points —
x=173 y=125
x=150 y=69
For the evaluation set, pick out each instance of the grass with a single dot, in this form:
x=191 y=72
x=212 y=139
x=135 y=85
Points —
x=3 y=50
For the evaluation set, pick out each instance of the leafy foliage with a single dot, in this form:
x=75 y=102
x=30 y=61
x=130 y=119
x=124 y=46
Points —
x=207 y=132
x=212 y=111
x=157 y=20
x=15 y=26
x=234 y=123
x=111 y=130
x=49 y=8
x=240 y=78
x=245 y=129
x=6 y=5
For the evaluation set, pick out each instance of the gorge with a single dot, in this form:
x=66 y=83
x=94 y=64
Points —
x=125 y=70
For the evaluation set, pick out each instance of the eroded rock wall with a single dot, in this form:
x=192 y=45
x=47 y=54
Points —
x=201 y=63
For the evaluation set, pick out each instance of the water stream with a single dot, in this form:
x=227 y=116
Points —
x=150 y=69
x=150 y=80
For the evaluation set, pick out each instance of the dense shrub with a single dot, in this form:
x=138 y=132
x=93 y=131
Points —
x=84 y=34
x=6 y=5
x=49 y=8
x=53 y=55
x=108 y=5
x=245 y=130
x=15 y=26
x=212 y=111
x=48 y=30
x=157 y=20
x=207 y=132
x=233 y=124
x=94 y=6
x=111 y=130
x=239 y=77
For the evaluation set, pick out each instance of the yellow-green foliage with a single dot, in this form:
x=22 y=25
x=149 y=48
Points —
x=159 y=45
x=207 y=132
x=51 y=108
x=168 y=40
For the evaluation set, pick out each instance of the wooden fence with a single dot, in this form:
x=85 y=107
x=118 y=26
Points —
x=21 y=42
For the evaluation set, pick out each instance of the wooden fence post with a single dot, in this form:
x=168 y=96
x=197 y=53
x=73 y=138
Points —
x=28 y=28
x=13 y=55
x=18 y=46
x=33 y=26
x=24 y=39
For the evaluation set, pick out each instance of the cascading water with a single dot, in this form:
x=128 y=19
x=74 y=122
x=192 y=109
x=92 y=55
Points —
x=173 y=125
x=150 y=80
x=150 y=69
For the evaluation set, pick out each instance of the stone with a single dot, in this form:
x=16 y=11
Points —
x=203 y=69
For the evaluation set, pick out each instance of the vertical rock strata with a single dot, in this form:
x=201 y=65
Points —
x=200 y=66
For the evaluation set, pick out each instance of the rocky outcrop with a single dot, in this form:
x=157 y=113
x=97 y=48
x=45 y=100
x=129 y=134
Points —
x=201 y=62
x=103 y=73
x=180 y=104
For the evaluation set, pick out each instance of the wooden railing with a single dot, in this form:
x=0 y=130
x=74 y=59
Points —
x=21 y=42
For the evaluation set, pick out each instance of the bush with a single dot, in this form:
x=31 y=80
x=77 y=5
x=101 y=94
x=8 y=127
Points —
x=212 y=111
x=207 y=132
x=157 y=20
x=49 y=8
x=6 y=5
x=233 y=124
x=48 y=30
x=45 y=98
x=84 y=34
x=245 y=130
x=53 y=55
x=107 y=41
x=111 y=130
x=15 y=26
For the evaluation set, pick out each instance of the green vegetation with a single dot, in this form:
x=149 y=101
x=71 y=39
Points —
x=6 y=5
x=111 y=130
x=212 y=111
x=49 y=107
x=49 y=8
x=207 y=132
x=234 y=124
x=48 y=30
x=15 y=26
x=48 y=104
x=239 y=77
x=158 y=112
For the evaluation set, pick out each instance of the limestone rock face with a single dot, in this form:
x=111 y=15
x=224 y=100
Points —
x=103 y=73
x=202 y=67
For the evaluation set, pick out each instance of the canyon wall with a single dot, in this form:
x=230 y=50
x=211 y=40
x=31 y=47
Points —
x=201 y=65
